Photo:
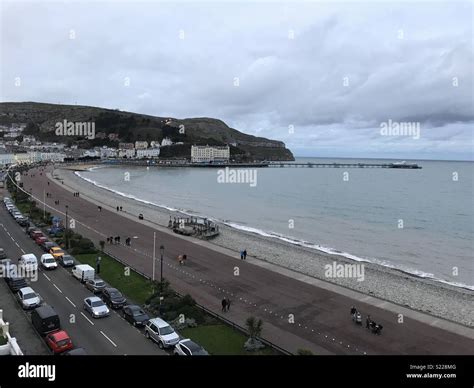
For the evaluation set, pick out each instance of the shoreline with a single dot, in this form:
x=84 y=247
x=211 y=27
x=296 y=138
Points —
x=420 y=294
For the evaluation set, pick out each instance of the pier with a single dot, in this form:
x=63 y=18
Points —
x=164 y=163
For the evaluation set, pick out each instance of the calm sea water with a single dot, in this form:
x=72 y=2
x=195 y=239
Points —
x=420 y=221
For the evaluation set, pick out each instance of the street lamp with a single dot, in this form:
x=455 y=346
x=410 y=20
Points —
x=67 y=234
x=162 y=251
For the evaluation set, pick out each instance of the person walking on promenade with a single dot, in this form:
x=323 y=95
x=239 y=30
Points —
x=118 y=239
x=111 y=240
x=367 y=322
x=120 y=208
x=99 y=208
x=228 y=304
x=224 y=305
x=245 y=254
x=241 y=255
x=117 y=208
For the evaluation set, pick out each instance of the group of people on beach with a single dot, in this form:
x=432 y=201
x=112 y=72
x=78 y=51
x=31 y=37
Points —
x=225 y=305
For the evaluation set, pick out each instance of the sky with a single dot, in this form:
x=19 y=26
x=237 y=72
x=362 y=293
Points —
x=324 y=77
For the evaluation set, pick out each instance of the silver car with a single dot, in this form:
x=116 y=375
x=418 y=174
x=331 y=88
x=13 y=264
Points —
x=96 y=307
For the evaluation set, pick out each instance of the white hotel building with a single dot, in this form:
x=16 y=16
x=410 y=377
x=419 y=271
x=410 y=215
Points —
x=207 y=154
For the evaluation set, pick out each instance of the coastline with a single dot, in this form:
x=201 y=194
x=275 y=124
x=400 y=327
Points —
x=421 y=294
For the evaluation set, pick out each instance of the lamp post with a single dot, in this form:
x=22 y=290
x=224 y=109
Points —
x=162 y=250
x=154 y=246
x=67 y=234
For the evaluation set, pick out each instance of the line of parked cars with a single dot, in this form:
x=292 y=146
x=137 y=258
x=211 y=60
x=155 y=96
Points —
x=47 y=322
x=43 y=317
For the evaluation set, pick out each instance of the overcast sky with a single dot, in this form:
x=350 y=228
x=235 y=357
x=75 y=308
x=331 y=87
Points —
x=322 y=77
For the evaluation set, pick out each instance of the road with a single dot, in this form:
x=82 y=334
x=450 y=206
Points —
x=111 y=335
x=295 y=314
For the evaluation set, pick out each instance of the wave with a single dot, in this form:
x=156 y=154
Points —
x=287 y=239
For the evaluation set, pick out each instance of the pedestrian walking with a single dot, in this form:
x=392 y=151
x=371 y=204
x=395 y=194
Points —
x=120 y=208
x=111 y=239
x=100 y=208
x=117 y=208
x=118 y=239
x=241 y=255
x=245 y=254
x=224 y=305
x=228 y=304
x=367 y=322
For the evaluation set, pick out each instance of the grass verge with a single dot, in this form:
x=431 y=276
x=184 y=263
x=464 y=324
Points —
x=133 y=285
x=222 y=340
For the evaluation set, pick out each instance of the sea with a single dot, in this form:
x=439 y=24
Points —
x=419 y=221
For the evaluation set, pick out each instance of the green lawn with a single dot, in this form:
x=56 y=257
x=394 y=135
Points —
x=24 y=207
x=3 y=340
x=221 y=340
x=133 y=285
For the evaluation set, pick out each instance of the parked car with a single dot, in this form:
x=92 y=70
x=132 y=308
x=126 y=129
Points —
x=40 y=240
x=36 y=233
x=45 y=320
x=75 y=352
x=83 y=272
x=30 y=229
x=22 y=221
x=135 y=315
x=186 y=347
x=48 y=261
x=47 y=245
x=113 y=298
x=161 y=332
x=66 y=260
x=59 y=341
x=56 y=252
x=3 y=255
x=28 y=298
x=96 y=285
x=96 y=307
x=16 y=283
x=28 y=262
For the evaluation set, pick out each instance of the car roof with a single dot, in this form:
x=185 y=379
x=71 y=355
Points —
x=94 y=299
x=26 y=290
x=56 y=248
x=47 y=256
x=111 y=289
x=159 y=322
x=60 y=335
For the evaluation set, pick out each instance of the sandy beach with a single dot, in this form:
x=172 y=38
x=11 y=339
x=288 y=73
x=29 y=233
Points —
x=424 y=295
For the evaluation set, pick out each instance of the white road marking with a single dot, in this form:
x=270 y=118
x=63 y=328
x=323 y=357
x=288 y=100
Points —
x=46 y=276
x=23 y=251
x=112 y=342
x=92 y=323
x=70 y=301
x=17 y=244
x=57 y=288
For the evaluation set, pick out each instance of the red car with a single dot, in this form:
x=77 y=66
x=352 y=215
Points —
x=59 y=341
x=40 y=240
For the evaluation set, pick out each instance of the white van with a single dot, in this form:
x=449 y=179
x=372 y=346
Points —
x=28 y=262
x=83 y=272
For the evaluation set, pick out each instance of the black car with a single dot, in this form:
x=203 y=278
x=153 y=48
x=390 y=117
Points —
x=135 y=315
x=95 y=285
x=113 y=298
x=16 y=283
x=47 y=245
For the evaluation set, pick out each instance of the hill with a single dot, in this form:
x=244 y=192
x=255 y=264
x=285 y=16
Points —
x=114 y=126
